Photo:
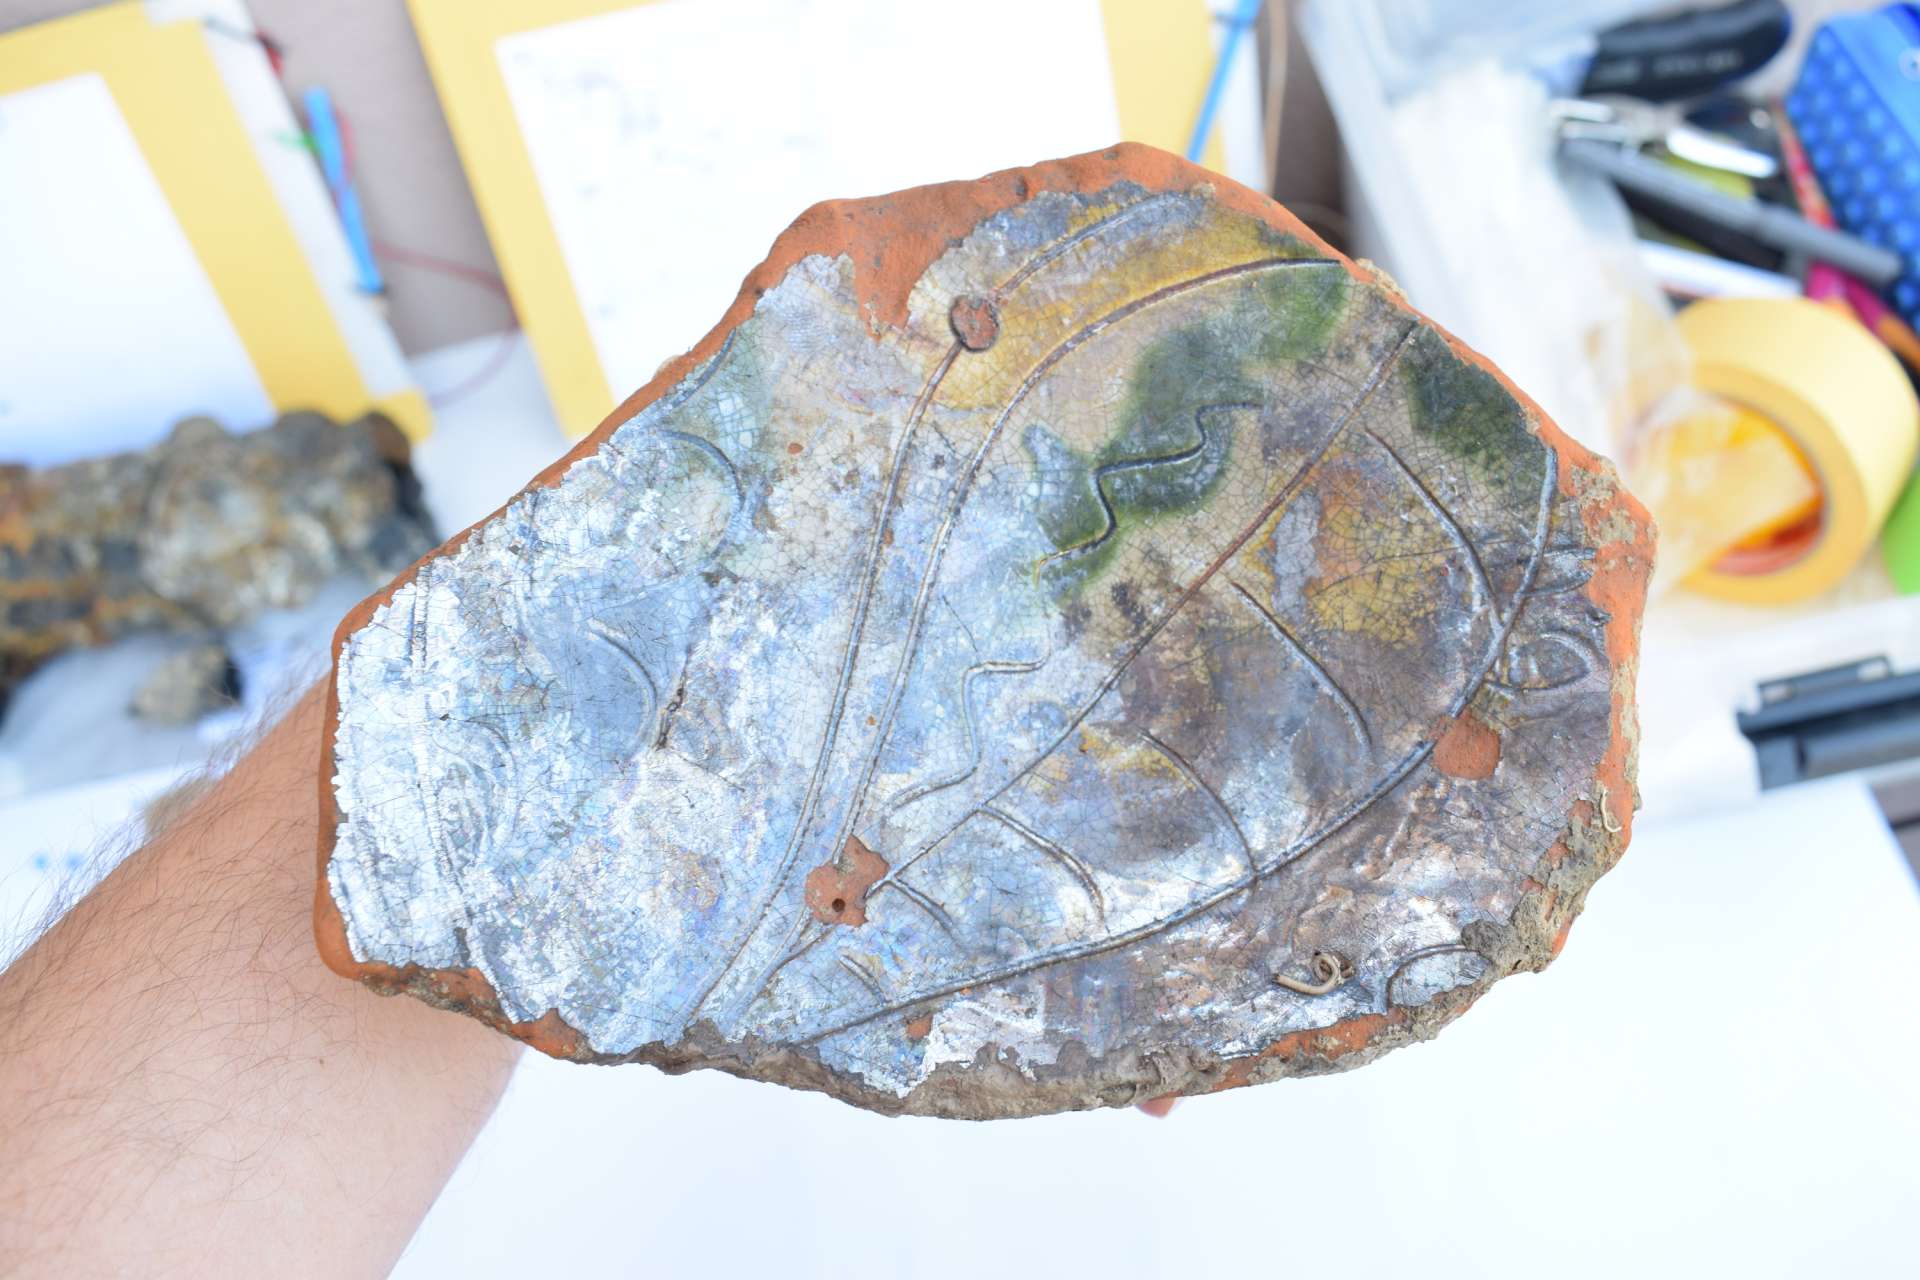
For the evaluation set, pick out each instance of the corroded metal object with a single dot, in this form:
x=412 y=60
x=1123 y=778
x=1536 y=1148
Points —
x=188 y=685
x=200 y=532
x=1063 y=639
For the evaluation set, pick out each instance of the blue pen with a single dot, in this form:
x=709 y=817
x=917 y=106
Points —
x=325 y=128
x=1236 y=27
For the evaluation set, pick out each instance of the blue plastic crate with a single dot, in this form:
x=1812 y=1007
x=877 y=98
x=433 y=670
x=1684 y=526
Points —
x=1856 y=107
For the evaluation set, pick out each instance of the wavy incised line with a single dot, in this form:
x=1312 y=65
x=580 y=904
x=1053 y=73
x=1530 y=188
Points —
x=1181 y=763
x=998 y=667
x=957 y=499
x=876 y=542
x=1074 y=865
x=1126 y=465
x=1481 y=582
x=1321 y=677
x=964 y=484
x=1253 y=526
x=1292 y=853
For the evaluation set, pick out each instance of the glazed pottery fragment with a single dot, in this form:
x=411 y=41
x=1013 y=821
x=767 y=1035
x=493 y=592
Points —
x=1062 y=639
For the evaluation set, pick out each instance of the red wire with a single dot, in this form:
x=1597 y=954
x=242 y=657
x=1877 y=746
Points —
x=446 y=266
x=413 y=257
x=473 y=381
x=488 y=280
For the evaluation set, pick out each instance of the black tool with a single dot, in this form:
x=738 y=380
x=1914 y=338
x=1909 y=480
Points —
x=1661 y=59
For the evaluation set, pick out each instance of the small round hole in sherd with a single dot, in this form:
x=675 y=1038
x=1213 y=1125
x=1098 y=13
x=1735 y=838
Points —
x=839 y=905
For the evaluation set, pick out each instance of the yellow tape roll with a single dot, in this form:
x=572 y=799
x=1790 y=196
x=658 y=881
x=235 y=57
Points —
x=1830 y=385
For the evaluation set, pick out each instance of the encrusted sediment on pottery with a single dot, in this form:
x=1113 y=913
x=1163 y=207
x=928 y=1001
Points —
x=1161 y=650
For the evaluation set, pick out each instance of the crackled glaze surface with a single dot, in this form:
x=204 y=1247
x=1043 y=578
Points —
x=1001 y=700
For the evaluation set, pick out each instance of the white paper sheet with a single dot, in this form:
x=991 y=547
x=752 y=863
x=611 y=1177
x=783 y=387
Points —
x=675 y=140
x=1715 y=1079
x=110 y=331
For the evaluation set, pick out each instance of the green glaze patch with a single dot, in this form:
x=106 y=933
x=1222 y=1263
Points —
x=1299 y=311
x=1177 y=426
x=1169 y=453
x=1068 y=505
x=1470 y=417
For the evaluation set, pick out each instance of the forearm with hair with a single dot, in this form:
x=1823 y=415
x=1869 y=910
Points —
x=186 y=1089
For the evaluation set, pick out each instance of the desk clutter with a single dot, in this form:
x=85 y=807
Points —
x=1630 y=170
x=1782 y=507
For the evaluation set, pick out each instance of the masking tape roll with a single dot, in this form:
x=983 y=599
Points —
x=1831 y=386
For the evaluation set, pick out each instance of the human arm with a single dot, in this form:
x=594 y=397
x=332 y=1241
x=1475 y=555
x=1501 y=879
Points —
x=186 y=1089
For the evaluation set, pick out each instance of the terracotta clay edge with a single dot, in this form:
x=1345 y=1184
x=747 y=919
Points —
x=890 y=241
